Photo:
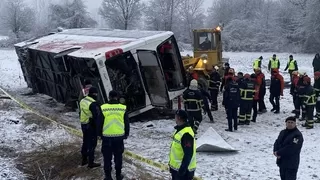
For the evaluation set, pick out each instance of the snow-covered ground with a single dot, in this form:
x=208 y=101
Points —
x=3 y=37
x=255 y=142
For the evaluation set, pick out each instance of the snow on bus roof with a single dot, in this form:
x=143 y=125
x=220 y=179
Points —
x=91 y=42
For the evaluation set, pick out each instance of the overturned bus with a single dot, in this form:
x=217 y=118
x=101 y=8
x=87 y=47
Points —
x=144 y=67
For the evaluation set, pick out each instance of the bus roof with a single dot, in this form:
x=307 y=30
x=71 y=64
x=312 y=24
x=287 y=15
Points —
x=89 y=43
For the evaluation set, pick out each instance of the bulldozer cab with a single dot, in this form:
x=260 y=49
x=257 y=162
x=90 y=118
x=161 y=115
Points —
x=207 y=44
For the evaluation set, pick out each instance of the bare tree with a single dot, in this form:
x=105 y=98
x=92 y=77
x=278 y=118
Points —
x=121 y=14
x=17 y=17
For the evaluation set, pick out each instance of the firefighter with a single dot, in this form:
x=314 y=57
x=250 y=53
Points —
x=255 y=98
x=300 y=93
x=262 y=90
x=276 y=90
x=193 y=104
x=224 y=79
x=247 y=90
x=191 y=74
x=274 y=63
x=240 y=78
x=257 y=63
x=309 y=101
x=90 y=117
x=205 y=105
x=316 y=87
x=182 y=157
x=214 y=84
x=226 y=69
x=231 y=101
x=291 y=66
x=293 y=88
x=114 y=130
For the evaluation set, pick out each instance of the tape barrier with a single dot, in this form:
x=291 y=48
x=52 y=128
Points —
x=76 y=132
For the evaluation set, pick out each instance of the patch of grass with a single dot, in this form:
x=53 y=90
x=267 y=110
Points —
x=34 y=119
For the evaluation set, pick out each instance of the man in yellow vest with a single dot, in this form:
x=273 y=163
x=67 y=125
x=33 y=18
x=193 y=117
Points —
x=292 y=65
x=257 y=63
x=274 y=63
x=115 y=129
x=90 y=117
x=182 y=157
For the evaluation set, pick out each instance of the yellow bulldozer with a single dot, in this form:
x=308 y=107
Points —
x=207 y=53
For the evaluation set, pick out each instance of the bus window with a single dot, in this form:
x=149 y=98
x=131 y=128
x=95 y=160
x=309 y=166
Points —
x=171 y=64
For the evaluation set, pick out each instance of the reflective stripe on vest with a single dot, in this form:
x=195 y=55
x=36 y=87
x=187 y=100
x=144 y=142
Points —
x=113 y=125
x=291 y=65
x=256 y=64
x=244 y=92
x=199 y=104
x=85 y=113
x=176 y=151
x=310 y=100
x=274 y=63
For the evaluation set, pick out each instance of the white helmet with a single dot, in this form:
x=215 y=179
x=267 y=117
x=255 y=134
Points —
x=216 y=68
x=193 y=84
x=302 y=73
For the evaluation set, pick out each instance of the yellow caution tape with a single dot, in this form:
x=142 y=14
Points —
x=76 y=132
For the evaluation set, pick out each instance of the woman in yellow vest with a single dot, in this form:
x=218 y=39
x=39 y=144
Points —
x=182 y=158
x=274 y=63
x=292 y=65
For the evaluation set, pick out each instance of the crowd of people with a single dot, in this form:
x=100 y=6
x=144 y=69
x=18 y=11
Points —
x=245 y=92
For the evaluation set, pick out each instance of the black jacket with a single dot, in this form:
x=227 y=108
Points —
x=316 y=63
x=187 y=142
x=288 y=147
x=126 y=125
x=231 y=96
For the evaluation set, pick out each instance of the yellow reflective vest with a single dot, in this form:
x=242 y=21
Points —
x=274 y=63
x=85 y=113
x=176 y=151
x=256 y=64
x=291 y=65
x=113 y=125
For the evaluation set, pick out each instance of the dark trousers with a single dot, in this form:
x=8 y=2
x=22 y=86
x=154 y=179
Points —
x=299 y=105
x=275 y=101
x=112 y=148
x=245 y=110
x=214 y=96
x=187 y=176
x=288 y=174
x=206 y=108
x=262 y=105
x=309 y=113
x=232 y=116
x=195 y=118
x=318 y=110
x=255 y=110
x=89 y=142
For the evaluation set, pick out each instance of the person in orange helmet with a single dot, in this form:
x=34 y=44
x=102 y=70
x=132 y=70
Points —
x=294 y=88
x=309 y=101
x=276 y=90
x=262 y=90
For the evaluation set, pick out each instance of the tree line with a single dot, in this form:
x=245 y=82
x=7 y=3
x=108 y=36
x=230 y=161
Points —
x=249 y=25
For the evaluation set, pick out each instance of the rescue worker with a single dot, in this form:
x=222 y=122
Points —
x=114 y=130
x=205 y=106
x=262 y=83
x=231 y=101
x=257 y=63
x=224 y=79
x=90 y=117
x=309 y=101
x=226 y=69
x=293 y=88
x=182 y=157
x=240 y=78
x=274 y=63
x=276 y=90
x=191 y=74
x=247 y=90
x=255 y=98
x=287 y=150
x=214 y=84
x=300 y=93
x=291 y=66
x=316 y=63
x=316 y=87
x=193 y=104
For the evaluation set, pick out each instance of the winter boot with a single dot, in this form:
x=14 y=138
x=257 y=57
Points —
x=93 y=165
x=119 y=177
x=229 y=130
x=84 y=161
x=248 y=122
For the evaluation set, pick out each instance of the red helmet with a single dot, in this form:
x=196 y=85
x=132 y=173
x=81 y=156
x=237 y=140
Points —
x=306 y=79
x=231 y=71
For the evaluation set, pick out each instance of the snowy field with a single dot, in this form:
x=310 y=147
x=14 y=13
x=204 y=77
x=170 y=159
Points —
x=254 y=161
